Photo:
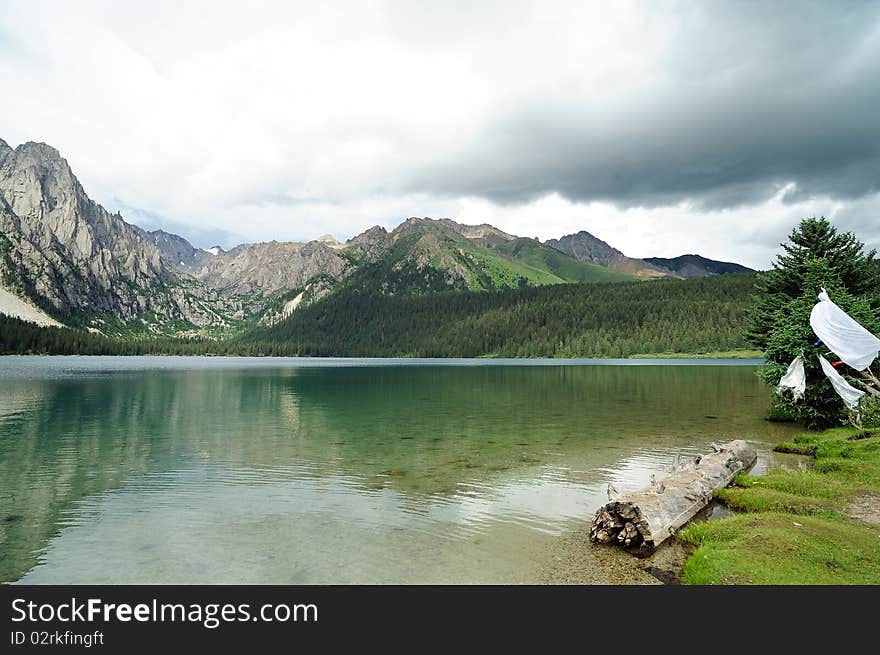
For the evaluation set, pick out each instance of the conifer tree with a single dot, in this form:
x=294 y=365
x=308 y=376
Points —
x=816 y=255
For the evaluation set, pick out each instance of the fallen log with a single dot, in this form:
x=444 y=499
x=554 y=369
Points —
x=644 y=519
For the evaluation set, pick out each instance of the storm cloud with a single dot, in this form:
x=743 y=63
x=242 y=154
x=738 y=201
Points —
x=738 y=100
x=662 y=127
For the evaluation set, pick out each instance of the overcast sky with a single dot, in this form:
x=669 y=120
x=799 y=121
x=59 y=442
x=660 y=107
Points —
x=661 y=127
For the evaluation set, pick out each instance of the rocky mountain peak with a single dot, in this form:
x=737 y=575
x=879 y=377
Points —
x=36 y=173
x=71 y=256
x=255 y=274
x=372 y=234
x=176 y=251
x=584 y=247
x=482 y=232
x=369 y=244
x=40 y=150
x=486 y=234
x=40 y=162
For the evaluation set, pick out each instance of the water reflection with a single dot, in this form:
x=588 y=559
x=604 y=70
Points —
x=195 y=472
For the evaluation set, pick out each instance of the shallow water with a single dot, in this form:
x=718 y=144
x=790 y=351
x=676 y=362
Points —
x=236 y=470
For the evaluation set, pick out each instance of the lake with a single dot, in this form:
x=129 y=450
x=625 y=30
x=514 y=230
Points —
x=297 y=471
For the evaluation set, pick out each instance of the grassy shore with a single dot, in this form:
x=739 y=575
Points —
x=715 y=354
x=818 y=526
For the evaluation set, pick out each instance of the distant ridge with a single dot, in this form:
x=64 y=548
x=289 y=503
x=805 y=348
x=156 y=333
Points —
x=177 y=252
x=584 y=247
x=691 y=266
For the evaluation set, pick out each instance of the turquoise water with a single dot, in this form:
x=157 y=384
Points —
x=296 y=471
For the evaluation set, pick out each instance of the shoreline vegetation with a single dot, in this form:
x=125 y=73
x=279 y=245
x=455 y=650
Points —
x=704 y=317
x=717 y=354
x=726 y=355
x=815 y=526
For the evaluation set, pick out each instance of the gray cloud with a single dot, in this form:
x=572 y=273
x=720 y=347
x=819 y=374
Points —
x=662 y=126
x=752 y=96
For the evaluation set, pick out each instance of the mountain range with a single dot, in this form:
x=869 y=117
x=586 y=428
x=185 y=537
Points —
x=67 y=259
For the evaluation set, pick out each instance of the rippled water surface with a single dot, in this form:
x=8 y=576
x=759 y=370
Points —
x=228 y=470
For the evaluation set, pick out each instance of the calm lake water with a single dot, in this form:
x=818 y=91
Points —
x=297 y=471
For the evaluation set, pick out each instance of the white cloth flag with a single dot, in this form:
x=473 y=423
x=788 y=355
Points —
x=842 y=334
x=795 y=379
x=850 y=394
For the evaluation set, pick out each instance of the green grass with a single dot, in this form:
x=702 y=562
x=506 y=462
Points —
x=794 y=528
x=504 y=266
x=714 y=354
x=539 y=257
x=781 y=548
x=502 y=271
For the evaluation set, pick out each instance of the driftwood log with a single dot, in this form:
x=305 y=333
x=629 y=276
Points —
x=644 y=519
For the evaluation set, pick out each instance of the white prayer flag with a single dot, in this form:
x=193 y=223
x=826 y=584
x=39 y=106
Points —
x=851 y=396
x=842 y=334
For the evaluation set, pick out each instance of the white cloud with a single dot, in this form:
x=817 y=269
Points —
x=749 y=235
x=290 y=120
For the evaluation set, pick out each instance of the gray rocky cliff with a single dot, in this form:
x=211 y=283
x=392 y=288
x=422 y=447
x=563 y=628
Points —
x=74 y=258
x=177 y=252
x=255 y=274
x=584 y=247
x=370 y=244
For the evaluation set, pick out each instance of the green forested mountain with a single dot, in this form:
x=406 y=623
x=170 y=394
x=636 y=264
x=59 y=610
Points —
x=568 y=320
x=427 y=287
x=23 y=337
x=426 y=256
x=571 y=320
